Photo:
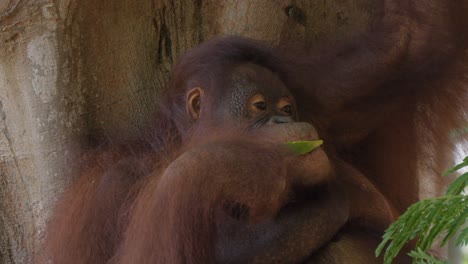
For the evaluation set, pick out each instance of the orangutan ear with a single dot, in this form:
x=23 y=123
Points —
x=193 y=102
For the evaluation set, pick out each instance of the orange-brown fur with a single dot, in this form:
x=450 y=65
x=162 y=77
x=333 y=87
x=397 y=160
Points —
x=383 y=102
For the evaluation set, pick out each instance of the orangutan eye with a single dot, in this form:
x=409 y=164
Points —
x=285 y=105
x=257 y=103
x=287 y=109
x=260 y=105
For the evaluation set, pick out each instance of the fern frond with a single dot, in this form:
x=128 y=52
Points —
x=458 y=185
x=421 y=257
x=427 y=219
x=463 y=164
x=462 y=239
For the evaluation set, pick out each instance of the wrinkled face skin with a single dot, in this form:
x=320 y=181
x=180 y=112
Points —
x=252 y=93
x=255 y=93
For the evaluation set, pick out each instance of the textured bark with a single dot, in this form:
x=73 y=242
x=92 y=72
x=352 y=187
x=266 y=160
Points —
x=71 y=69
x=40 y=118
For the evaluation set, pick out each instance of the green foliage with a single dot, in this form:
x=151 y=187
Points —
x=428 y=220
x=456 y=167
x=422 y=257
x=458 y=185
x=304 y=147
x=461 y=182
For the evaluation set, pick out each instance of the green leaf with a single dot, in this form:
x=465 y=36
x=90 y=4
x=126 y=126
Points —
x=304 y=147
x=422 y=257
x=456 y=167
x=458 y=221
x=458 y=185
x=462 y=239
x=427 y=219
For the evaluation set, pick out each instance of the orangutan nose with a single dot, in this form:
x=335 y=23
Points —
x=280 y=120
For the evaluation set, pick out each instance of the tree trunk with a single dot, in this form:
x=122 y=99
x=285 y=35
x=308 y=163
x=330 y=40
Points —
x=73 y=70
